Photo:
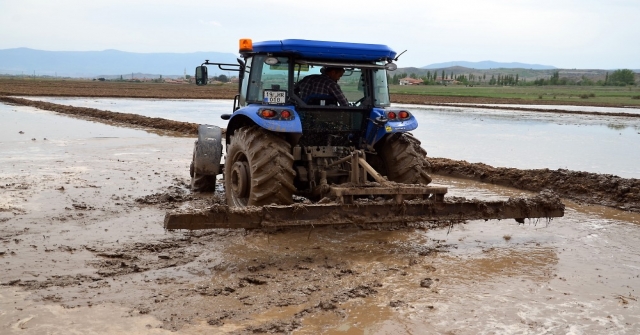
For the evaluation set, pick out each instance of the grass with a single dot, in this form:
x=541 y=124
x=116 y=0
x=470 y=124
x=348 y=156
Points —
x=612 y=95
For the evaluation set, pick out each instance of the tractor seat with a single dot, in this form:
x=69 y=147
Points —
x=321 y=100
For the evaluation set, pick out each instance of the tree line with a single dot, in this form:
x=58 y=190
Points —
x=620 y=77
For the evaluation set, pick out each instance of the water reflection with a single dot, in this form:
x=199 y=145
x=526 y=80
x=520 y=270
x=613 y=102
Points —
x=592 y=143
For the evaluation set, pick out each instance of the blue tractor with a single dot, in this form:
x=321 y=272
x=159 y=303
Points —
x=298 y=157
x=280 y=143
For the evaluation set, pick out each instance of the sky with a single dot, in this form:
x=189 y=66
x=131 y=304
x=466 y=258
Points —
x=582 y=34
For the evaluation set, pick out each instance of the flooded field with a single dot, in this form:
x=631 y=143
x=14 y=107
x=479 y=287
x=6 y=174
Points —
x=526 y=140
x=83 y=249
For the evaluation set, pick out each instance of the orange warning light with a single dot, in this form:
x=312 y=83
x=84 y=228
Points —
x=246 y=45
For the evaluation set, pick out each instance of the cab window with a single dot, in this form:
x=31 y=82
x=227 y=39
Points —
x=264 y=76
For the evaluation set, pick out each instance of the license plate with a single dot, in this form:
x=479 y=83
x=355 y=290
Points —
x=275 y=97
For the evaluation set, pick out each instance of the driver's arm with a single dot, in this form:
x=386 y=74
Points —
x=337 y=92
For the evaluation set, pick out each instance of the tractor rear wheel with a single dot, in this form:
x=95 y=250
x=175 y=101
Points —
x=404 y=159
x=258 y=169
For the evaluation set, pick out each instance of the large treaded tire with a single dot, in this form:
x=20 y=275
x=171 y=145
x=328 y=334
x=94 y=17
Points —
x=258 y=169
x=404 y=159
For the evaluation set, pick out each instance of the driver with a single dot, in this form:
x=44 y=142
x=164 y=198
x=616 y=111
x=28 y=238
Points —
x=324 y=84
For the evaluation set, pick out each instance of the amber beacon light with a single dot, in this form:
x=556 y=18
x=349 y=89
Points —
x=246 y=45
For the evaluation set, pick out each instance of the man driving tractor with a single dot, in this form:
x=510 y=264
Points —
x=323 y=87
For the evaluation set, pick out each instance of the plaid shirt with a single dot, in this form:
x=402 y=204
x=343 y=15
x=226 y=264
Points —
x=321 y=84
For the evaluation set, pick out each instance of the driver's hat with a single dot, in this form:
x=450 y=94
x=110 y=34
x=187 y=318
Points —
x=331 y=68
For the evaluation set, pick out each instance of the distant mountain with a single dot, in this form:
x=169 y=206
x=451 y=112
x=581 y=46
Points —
x=105 y=63
x=487 y=64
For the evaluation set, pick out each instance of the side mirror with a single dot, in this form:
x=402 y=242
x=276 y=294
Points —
x=391 y=66
x=201 y=75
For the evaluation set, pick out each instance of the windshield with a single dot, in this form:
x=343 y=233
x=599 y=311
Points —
x=366 y=84
x=265 y=76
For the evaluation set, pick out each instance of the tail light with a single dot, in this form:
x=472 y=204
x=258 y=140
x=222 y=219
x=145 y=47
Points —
x=404 y=115
x=267 y=113
x=391 y=115
x=277 y=114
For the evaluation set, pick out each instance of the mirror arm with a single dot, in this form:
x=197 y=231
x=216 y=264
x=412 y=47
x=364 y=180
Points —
x=235 y=67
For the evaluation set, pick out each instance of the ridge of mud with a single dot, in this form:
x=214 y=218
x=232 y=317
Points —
x=586 y=187
x=540 y=110
x=186 y=128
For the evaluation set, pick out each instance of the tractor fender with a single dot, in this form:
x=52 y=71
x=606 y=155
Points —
x=207 y=151
x=242 y=116
x=376 y=133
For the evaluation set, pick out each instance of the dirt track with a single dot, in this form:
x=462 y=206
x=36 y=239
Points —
x=83 y=250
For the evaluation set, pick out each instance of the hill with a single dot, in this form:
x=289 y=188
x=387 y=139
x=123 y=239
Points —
x=104 y=63
x=487 y=64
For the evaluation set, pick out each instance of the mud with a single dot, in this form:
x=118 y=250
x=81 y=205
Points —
x=83 y=250
x=583 y=187
x=86 y=88
x=129 y=120
x=589 y=188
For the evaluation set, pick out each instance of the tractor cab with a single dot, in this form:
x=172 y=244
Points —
x=269 y=94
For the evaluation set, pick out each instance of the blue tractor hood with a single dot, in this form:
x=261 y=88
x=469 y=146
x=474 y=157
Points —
x=328 y=50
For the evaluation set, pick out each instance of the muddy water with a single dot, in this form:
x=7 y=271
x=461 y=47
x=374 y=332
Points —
x=526 y=140
x=575 y=275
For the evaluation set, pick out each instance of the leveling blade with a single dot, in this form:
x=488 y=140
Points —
x=365 y=213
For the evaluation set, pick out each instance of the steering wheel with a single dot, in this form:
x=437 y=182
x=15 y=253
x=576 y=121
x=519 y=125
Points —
x=357 y=103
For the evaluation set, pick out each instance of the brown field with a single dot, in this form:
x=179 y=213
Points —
x=84 y=251
x=584 y=187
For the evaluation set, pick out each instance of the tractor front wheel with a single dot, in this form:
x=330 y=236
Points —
x=258 y=169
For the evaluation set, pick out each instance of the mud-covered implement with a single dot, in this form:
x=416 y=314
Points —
x=313 y=140
x=544 y=205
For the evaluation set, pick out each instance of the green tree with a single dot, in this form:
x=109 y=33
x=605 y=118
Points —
x=492 y=81
x=555 y=78
x=622 y=77
x=394 y=79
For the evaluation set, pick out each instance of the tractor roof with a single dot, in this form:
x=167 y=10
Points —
x=327 y=50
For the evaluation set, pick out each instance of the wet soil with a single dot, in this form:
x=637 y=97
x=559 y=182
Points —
x=83 y=250
x=590 y=188
x=584 y=187
x=87 y=88
x=129 y=120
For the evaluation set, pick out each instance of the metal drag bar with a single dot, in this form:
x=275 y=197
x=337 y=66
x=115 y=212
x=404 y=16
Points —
x=221 y=216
